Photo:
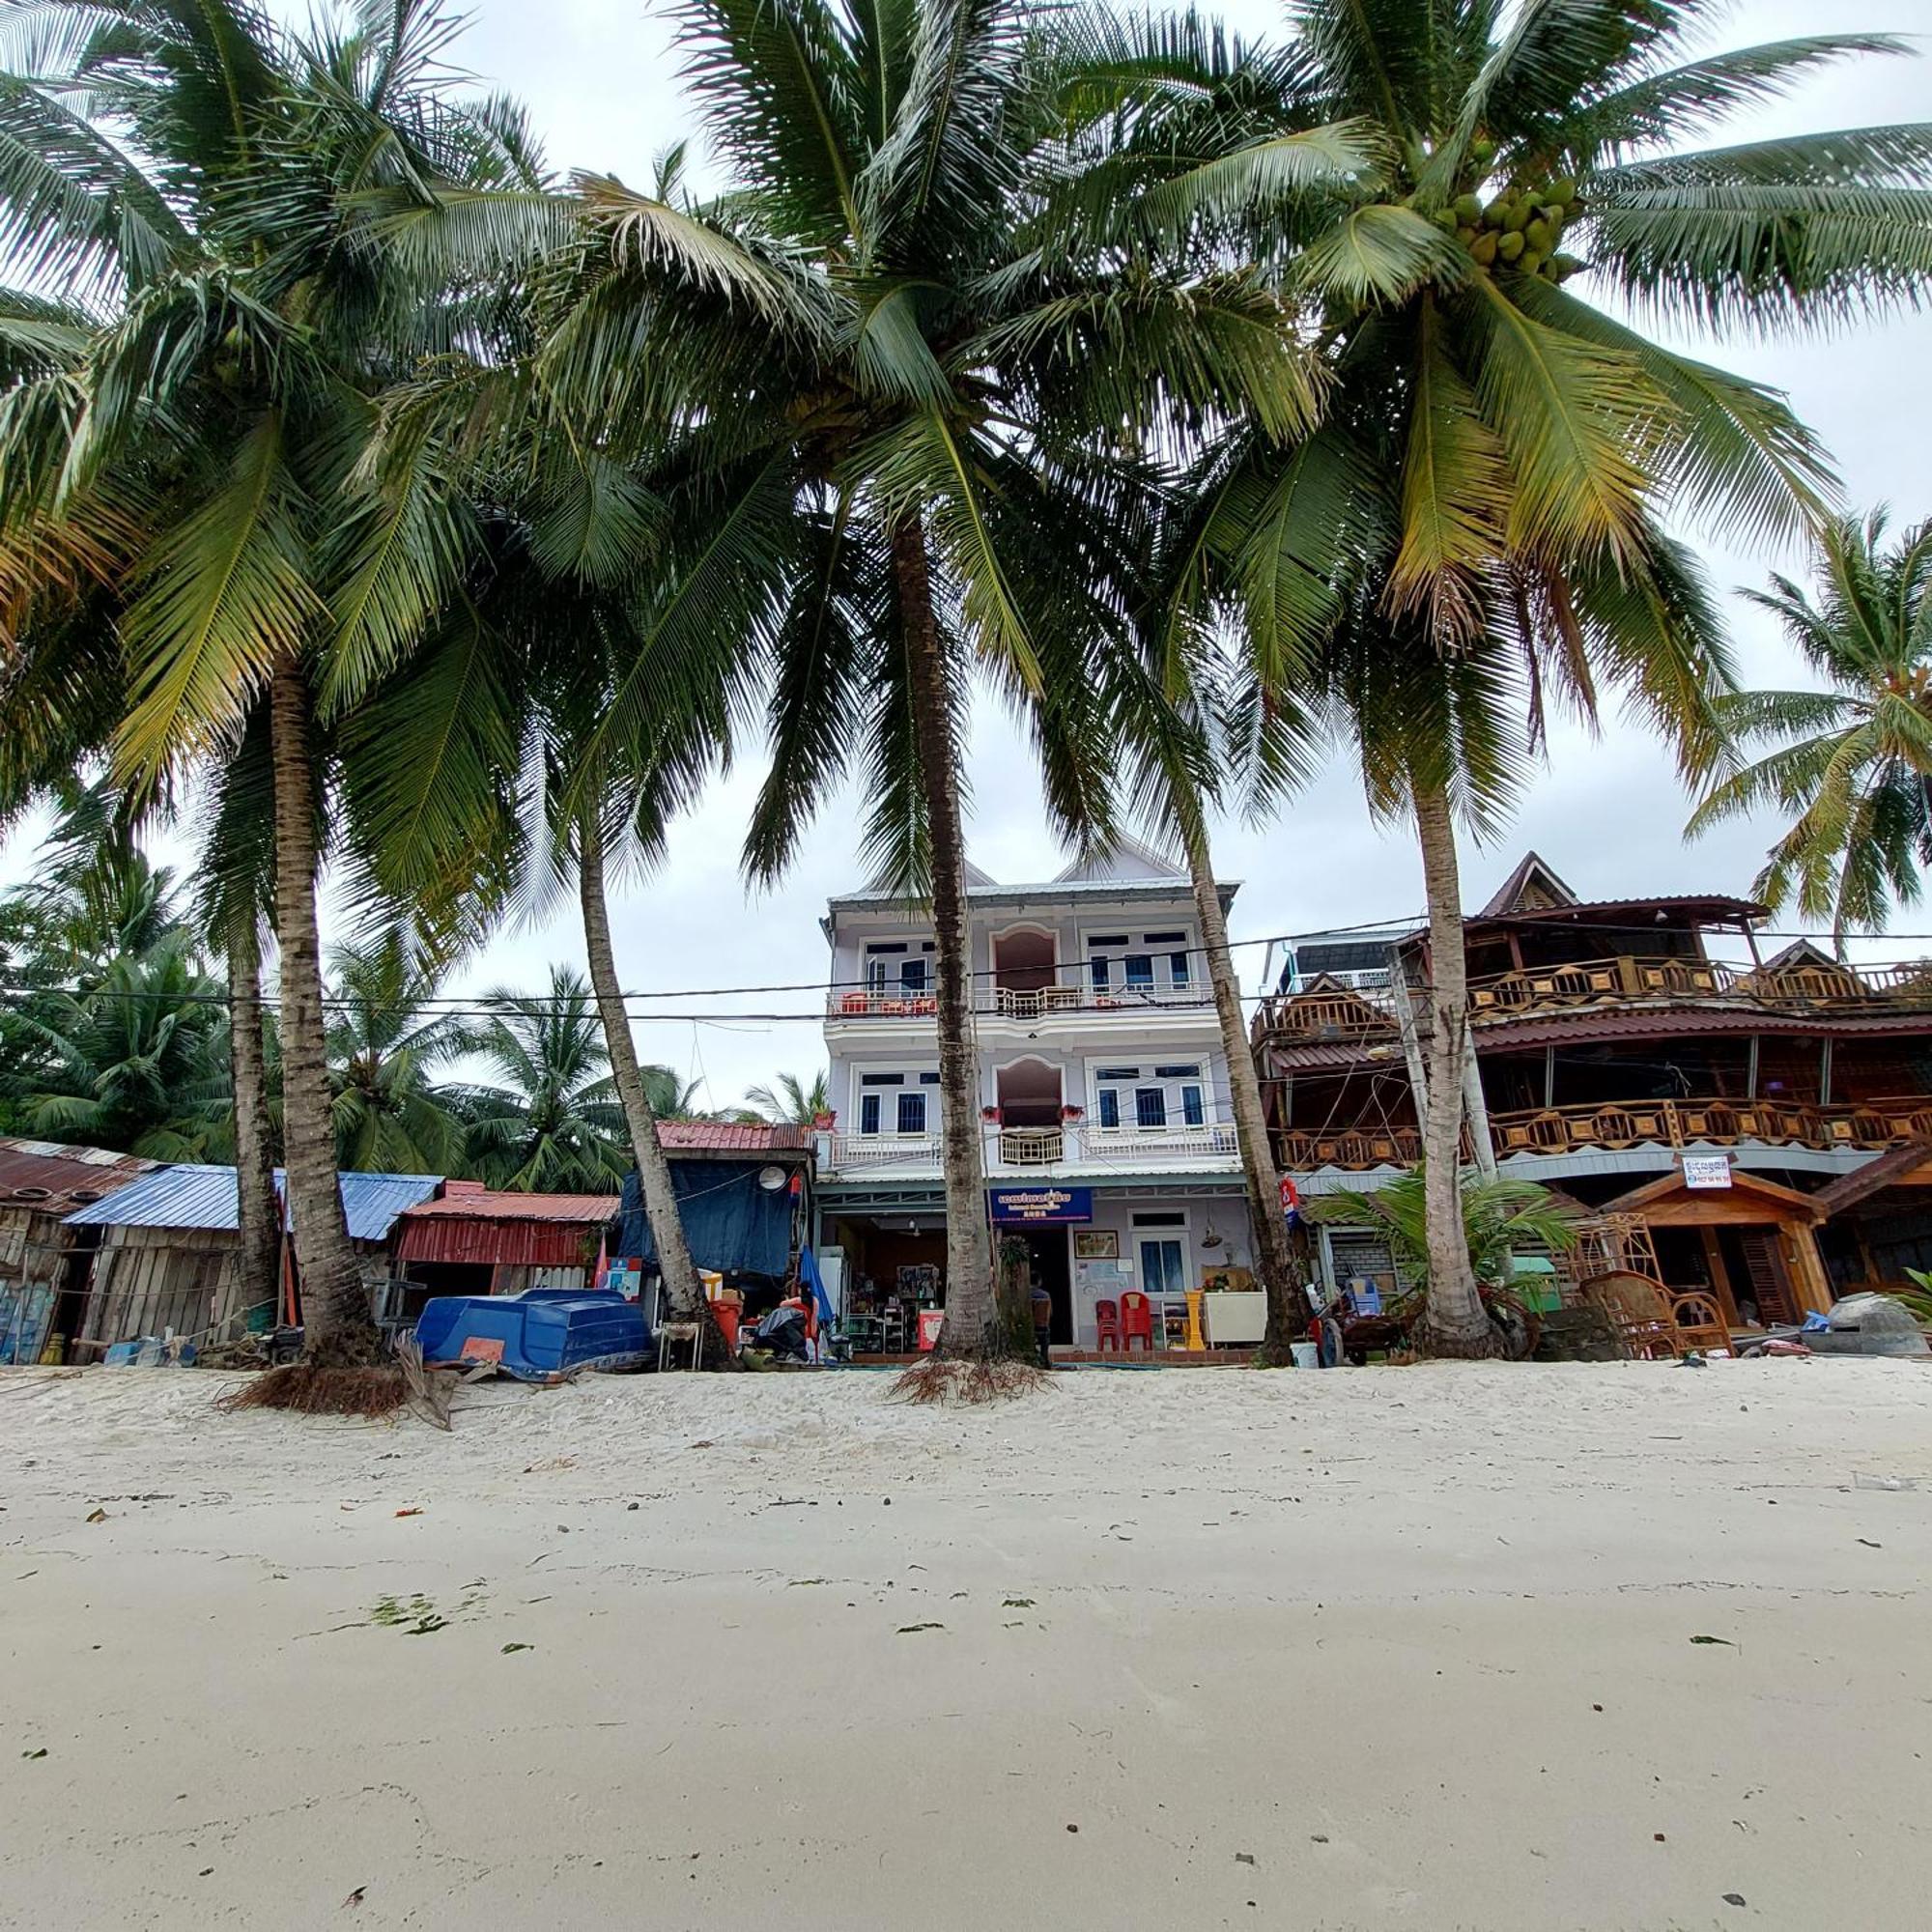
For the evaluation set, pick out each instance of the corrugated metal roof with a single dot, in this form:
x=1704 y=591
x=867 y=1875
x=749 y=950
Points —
x=480 y=1204
x=53 y=1179
x=731 y=1137
x=205 y=1198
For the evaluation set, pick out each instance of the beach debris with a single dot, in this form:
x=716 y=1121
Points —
x=1075 y=1829
x=1245 y=1858
x=1724 y=1640
x=913 y=1630
x=511 y=1648
x=632 y=1506
x=32 y=1754
x=410 y=1512
x=1869 y=1544
x=1734 y=1898
x=354 y=1899
x=1317 y=1838
x=1018 y=1604
x=96 y=1516
x=1892 y=1484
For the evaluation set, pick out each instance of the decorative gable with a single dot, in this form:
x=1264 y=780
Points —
x=1531 y=887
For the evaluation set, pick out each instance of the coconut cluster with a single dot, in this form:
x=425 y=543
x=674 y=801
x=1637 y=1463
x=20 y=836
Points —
x=1518 y=229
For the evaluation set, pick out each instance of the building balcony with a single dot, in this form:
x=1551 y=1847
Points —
x=1612 y=984
x=1014 y=1002
x=1010 y=1151
x=1635 y=981
x=1864 y=1125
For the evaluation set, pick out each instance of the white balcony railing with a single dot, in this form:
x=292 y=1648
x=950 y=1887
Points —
x=852 y=1003
x=1032 y=1150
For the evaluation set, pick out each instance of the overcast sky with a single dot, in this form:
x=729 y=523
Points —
x=601 y=77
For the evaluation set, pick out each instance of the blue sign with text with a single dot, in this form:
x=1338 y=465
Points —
x=1037 y=1205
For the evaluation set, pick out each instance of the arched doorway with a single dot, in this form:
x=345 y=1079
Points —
x=1024 y=969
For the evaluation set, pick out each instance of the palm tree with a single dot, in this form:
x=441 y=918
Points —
x=230 y=189
x=385 y=1041
x=1478 y=515
x=1851 y=771
x=1501 y=1216
x=132 y=1062
x=552 y=1123
x=792 y=1103
x=903 y=468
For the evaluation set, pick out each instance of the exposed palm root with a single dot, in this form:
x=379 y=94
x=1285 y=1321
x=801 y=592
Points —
x=313 y=1389
x=951 y=1381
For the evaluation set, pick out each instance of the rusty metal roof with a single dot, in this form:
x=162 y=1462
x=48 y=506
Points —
x=50 y=1177
x=465 y=1200
x=746 y=1137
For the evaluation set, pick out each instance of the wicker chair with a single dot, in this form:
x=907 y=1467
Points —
x=1651 y=1322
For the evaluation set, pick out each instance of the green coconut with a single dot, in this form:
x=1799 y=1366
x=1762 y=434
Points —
x=1529 y=261
x=1466 y=236
x=1538 y=236
x=1484 y=249
x=1509 y=246
x=1469 y=209
x=1563 y=266
x=1445 y=219
x=1518 y=217
x=1564 y=189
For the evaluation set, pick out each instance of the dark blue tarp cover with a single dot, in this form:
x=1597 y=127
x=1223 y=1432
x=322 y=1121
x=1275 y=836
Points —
x=729 y=1220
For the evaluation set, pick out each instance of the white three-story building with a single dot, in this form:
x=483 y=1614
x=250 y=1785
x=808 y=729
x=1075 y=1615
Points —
x=1105 y=1122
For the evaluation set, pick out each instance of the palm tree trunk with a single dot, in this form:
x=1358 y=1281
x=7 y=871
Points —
x=686 y=1298
x=258 y=1206
x=973 y=1327
x=1454 y=1324
x=339 y=1329
x=1274 y=1261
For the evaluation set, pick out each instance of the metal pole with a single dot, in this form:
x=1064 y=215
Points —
x=1476 y=1110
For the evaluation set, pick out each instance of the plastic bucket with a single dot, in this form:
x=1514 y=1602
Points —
x=1306 y=1355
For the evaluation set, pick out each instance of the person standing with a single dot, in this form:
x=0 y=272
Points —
x=1042 y=1322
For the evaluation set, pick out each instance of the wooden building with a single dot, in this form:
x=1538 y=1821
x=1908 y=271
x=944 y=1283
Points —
x=169 y=1248
x=1620 y=1047
x=44 y=1261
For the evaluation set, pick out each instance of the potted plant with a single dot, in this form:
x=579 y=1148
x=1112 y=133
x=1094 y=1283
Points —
x=991 y=1116
x=1070 y=1114
x=824 y=1120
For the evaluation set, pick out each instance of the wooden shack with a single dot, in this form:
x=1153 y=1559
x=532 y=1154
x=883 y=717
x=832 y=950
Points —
x=169 y=1253
x=44 y=1261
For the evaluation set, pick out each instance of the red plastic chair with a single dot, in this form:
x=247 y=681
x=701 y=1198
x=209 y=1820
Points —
x=1136 y=1321
x=1107 y=1328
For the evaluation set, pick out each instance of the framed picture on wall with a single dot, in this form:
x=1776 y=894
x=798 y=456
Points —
x=1097 y=1244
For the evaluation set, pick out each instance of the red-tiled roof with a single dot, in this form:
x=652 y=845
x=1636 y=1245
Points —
x=468 y=1202
x=53 y=1179
x=731 y=1137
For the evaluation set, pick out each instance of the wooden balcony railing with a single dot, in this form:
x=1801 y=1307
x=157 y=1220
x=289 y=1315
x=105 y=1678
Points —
x=1632 y=979
x=1327 y=1017
x=1676 y=1123
x=1612 y=1126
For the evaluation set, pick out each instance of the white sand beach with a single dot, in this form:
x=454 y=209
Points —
x=1381 y=1648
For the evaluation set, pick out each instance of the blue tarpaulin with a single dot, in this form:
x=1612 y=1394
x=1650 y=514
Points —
x=731 y=1222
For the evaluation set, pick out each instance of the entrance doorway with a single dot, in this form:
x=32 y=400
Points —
x=1046 y=1248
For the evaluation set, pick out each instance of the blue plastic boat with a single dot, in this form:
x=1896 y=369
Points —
x=541 y=1336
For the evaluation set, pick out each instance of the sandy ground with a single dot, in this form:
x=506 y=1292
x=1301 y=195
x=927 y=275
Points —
x=1379 y=1648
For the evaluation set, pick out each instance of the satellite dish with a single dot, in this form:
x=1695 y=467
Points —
x=772 y=1178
